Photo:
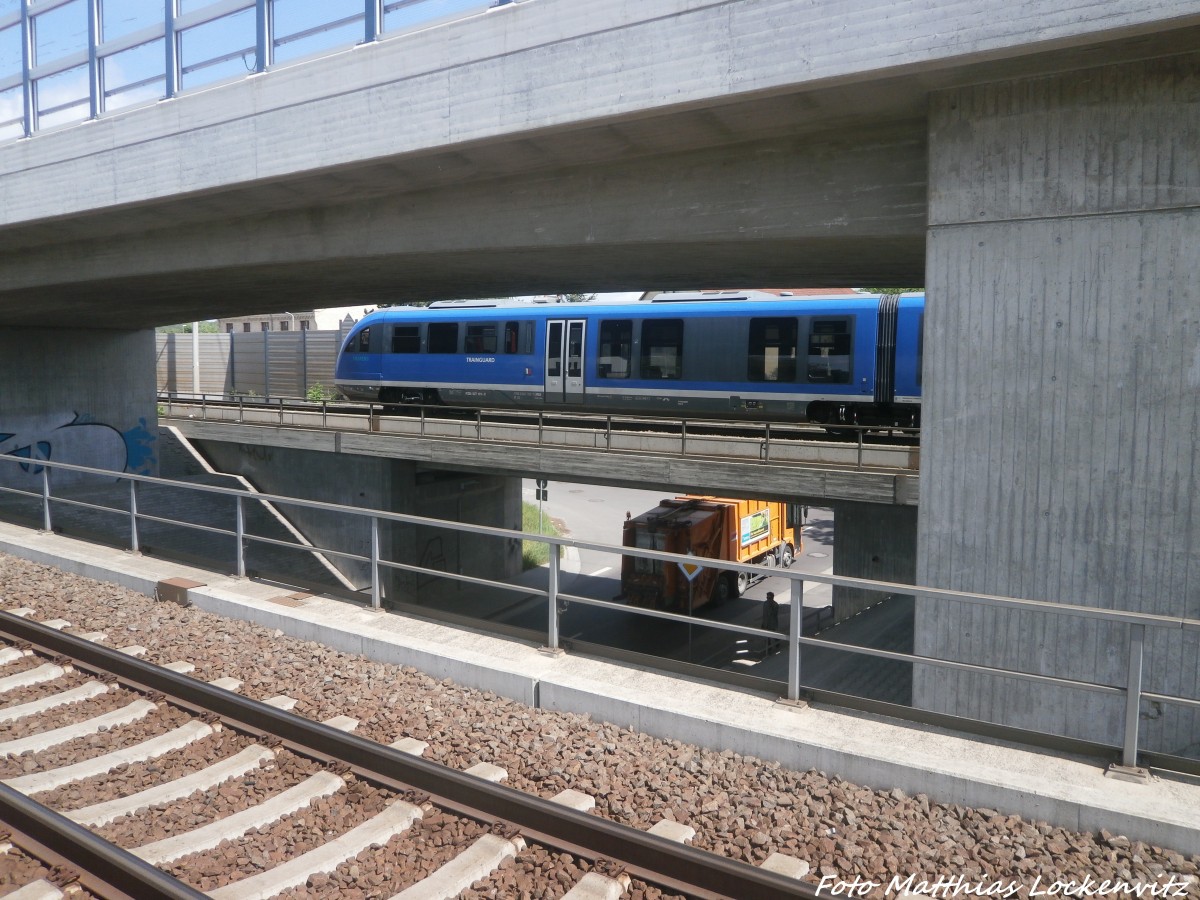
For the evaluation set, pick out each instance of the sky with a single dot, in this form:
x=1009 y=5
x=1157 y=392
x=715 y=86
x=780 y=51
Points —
x=212 y=52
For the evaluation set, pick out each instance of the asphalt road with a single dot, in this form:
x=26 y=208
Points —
x=595 y=514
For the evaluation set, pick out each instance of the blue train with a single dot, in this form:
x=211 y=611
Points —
x=748 y=355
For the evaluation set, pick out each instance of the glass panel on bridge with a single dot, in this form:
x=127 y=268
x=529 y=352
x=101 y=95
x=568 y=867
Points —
x=127 y=16
x=63 y=98
x=60 y=32
x=220 y=49
x=134 y=76
x=409 y=15
x=10 y=51
x=12 y=105
x=303 y=28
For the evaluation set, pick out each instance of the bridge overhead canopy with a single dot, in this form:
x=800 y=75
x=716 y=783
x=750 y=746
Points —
x=547 y=145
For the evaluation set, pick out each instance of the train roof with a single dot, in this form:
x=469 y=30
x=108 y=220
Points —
x=674 y=304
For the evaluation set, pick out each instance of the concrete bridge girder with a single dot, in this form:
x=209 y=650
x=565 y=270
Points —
x=521 y=99
x=793 y=205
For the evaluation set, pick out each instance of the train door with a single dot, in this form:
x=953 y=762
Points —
x=564 y=360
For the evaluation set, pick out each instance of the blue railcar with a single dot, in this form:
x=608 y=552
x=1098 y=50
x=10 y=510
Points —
x=834 y=360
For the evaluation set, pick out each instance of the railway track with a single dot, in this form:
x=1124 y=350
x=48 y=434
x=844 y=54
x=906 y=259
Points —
x=127 y=779
x=782 y=431
x=781 y=443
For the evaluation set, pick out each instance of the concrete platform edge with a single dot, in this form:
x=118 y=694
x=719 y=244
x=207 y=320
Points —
x=863 y=749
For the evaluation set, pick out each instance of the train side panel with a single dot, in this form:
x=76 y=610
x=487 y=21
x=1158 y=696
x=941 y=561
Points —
x=910 y=347
x=784 y=360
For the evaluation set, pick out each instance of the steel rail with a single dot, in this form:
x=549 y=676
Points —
x=654 y=859
x=103 y=868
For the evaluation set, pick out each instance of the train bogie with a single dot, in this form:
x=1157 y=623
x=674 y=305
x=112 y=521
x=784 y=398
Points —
x=835 y=361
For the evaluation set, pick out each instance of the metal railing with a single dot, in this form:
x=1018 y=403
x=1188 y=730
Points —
x=79 y=62
x=770 y=442
x=1131 y=690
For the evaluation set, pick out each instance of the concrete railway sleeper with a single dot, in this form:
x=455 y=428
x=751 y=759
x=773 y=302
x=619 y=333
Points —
x=327 y=796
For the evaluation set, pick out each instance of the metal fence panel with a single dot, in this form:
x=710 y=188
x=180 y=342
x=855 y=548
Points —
x=250 y=364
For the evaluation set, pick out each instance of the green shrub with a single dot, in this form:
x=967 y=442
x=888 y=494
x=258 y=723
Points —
x=318 y=392
x=535 y=553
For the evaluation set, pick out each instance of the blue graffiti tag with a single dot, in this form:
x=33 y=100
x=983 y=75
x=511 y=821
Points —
x=41 y=450
x=80 y=440
x=139 y=447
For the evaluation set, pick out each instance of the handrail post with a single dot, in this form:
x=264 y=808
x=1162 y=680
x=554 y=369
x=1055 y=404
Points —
x=540 y=417
x=479 y=424
x=240 y=535
x=373 y=25
x=46 y=498
x=860 y=447
x=767 y=442
x=1133 y=695
x=324 y=413
x=795 y=626
x=552 y=597
x=608 y=434
x=683 y=437
x=374 y=562
x=133 y=514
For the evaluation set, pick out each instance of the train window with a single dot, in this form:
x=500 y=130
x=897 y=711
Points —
x=443 y=337
x=554 y=340
x=518 y=337
x=406 y=339
x=616 y=348
x=662 y=348
x=362 y=343
x=574 y=349
x=772 y=350
x=829 y=350
x=480 y=338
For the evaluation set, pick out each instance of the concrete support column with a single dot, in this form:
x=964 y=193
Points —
x=393 y=485
x=461 y=497
x=871 y=541
x=82 y=396
x=1061 y=447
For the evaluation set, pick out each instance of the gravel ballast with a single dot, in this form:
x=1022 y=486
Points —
x=739 y=806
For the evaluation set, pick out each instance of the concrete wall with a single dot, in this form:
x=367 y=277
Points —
x=872 y=541
x=392 y=485
x=76 y=396
x=1060 y=456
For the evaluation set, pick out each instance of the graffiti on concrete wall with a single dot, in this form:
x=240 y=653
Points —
x=77 y=439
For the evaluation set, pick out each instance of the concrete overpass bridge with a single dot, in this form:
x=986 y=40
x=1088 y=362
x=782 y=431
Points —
x=1035 y=169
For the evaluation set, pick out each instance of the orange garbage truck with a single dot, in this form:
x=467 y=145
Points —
x=760 y=532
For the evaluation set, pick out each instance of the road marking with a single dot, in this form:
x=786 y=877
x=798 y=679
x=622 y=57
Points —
x=600 y=571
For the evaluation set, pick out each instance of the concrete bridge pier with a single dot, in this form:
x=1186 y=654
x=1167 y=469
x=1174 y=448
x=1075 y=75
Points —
x=82 y=396
x=873 y=541
x=394 y=485
x=1060 y=459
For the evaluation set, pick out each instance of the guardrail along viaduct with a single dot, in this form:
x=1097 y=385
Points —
x=1035 y=170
